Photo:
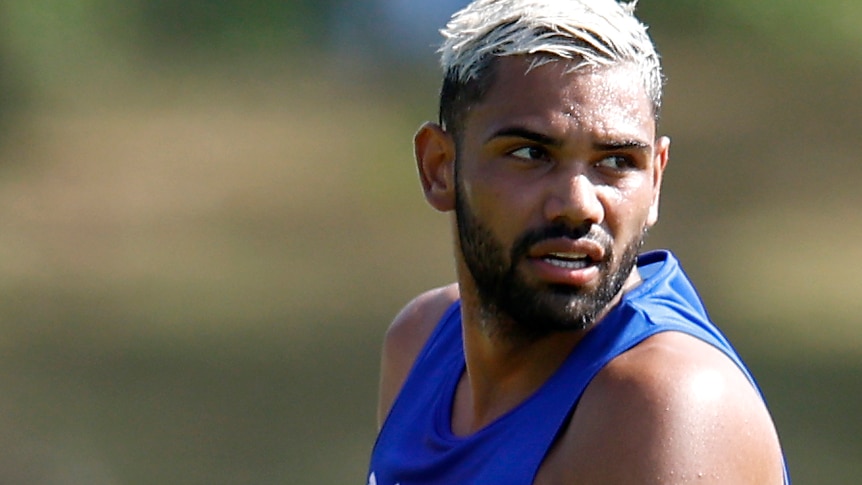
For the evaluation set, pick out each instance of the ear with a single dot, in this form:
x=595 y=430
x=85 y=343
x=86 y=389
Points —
x=660 y=158
x=434 y=149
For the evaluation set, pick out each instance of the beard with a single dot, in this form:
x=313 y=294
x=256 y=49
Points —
x=530 y=310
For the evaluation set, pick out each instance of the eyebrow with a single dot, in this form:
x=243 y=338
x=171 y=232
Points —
x=542 y=139
x=621 y=145
x=518 y=132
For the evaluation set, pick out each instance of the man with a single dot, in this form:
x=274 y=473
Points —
x=561 y=355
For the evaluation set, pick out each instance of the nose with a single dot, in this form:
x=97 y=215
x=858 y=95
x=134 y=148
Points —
x=575 y=200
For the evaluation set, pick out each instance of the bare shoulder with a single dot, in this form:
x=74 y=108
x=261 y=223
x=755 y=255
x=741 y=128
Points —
x=405 y=338
x=674 y=409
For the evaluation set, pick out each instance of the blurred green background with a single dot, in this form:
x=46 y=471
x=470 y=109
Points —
x=210 y=214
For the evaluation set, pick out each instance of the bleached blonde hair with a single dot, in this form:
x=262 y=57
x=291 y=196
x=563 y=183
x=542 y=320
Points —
x=591 y=33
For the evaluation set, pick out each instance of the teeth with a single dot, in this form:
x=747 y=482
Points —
x=568 y=260
x=568 y=256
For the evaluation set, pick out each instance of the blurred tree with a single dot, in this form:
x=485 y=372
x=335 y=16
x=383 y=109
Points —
x=222 y=29
x=12 y=93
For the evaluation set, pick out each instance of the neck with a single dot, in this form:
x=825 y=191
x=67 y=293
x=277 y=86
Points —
x=503 y=369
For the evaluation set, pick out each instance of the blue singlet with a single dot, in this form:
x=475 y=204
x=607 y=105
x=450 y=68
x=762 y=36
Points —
x=416 y=445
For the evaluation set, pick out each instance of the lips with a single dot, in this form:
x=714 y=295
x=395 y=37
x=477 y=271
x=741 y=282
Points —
x=567 y=261
x=568 y=251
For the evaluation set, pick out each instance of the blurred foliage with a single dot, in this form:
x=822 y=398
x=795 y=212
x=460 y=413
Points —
x=169 y=27
x=50 y=49
x=58 y=34
x=795 y=25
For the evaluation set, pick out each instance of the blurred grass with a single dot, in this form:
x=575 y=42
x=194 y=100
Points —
x=196 y=274
x=197 y=264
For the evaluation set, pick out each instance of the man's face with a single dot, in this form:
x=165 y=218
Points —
x=557 y=181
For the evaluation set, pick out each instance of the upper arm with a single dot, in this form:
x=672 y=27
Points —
x=673 y=410
x=405 y=338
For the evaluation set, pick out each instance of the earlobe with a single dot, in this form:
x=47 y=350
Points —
x=434 y=149
x=660 y=159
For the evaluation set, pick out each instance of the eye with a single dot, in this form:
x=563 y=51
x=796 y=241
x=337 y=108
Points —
x=617 y=162
x=533 y=153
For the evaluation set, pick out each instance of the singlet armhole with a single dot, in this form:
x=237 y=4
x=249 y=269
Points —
x=443 y=323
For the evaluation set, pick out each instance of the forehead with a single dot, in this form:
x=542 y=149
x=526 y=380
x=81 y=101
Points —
x=604 y=102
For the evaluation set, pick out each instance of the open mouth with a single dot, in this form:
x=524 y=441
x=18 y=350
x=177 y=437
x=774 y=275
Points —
x=569 y=260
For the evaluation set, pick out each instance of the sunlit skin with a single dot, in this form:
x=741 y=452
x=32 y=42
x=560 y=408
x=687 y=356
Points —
x=575 y=182
x=554 y=148
x=546 y=146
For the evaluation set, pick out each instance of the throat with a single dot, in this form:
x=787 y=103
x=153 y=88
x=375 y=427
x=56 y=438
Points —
x=499 y=377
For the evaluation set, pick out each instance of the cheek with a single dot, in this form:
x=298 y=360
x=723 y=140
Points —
x=627 y=211
x=504 y=207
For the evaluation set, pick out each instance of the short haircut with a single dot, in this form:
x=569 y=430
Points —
x=590 y=33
